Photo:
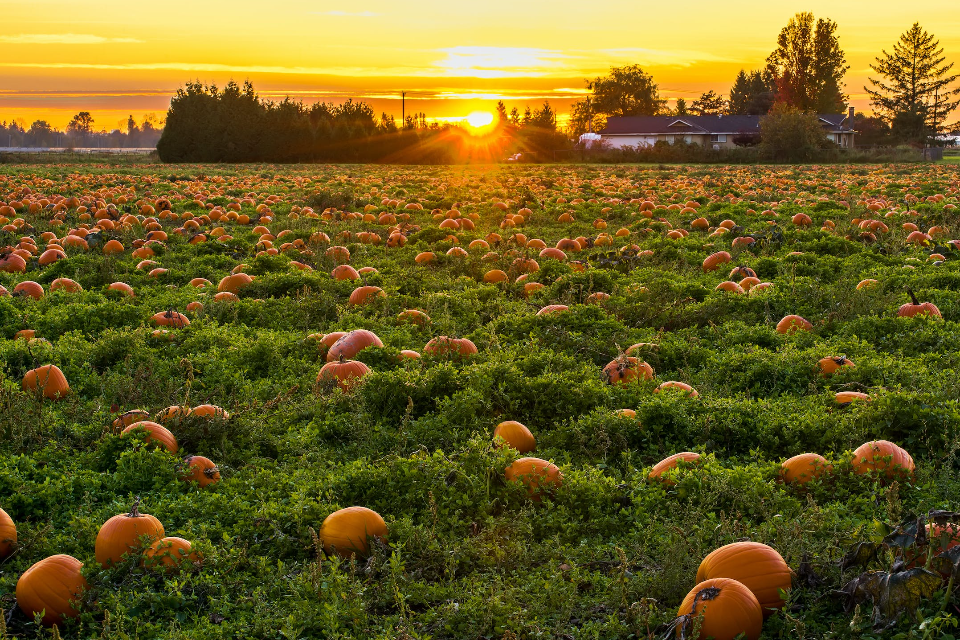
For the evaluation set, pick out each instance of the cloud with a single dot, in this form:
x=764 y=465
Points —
x=64 y=38
x=347 y=14
x=663 y=57
x=500 y=62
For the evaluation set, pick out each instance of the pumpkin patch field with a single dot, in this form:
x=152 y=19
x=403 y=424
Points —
x=485 y=402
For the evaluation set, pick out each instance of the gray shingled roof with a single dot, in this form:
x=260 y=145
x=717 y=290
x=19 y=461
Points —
x=701 y=124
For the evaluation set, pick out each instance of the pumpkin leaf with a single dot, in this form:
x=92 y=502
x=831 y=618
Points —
x=891 y=593
x=859 y=555
x=947 y=562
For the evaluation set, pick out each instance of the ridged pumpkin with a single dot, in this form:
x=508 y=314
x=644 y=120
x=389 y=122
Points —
x=344 y=272
x=755 y=565
x=444 y=346
x=803 y=468
x=365 y=294
x=916 y=308
x=52 y=586
x=8 y=534
x=680 y=386
x=48 y=379
x=884 y=456
x=169 y=553
x=713 y=261
x=200 y=470
x=626 y=369
x=830 y=365
x=346 y=532
x=234 y=283
x=792 y=323
x=729 y=608
x=345 y=373
x=539 y=476
x=669 y=463
x=124 y=533
x=155 y=433
x=209 y=411
x=352 y=343
x=170 y=318
x=515 y=435
x=127 y=418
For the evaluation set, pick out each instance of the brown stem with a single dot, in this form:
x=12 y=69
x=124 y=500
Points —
x=212 y=471
x=912 y=296
x=135 y=509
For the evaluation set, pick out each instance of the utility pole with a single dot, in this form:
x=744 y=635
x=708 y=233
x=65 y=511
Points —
x=403 y=108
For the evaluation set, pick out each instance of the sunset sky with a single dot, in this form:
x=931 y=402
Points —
x=114 y=57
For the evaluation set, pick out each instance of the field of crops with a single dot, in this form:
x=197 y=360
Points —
x=622 y=314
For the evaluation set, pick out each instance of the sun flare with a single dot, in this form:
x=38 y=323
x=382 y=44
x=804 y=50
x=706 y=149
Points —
x=479 y=119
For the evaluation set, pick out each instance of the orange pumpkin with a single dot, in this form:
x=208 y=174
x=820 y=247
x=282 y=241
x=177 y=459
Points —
x=155 y=433
x=803 y=468
x=916 y=308
x=792 y=323
x=538 y=476
x=127 y=418
x=713 y=261
x=444 y=346
x=830 y=365
x=344 y=272
x=170 y=553
x=515 y=435
x=48 y=379
x=365 y=294
x=347 y=532
x=728 y=609
x=352 y=343
x=68 y=285
x=682 y=386
x=170 y=318
x=414 y=316
x=210 y=411
x=122 y=287
x=846 y=397
x=346 y=373
x=53 y=586
x=124 y=533
x=885 y=457
x=669 y=463
x=8 y=534
x=753 y=564
x=626 y=369
x=200 y=470
x=234 y=283
x=28 y=289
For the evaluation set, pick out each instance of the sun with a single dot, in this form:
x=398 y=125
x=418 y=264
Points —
x=479 y=119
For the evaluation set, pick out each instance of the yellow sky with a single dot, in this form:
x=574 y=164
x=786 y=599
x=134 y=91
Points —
x=112 y=58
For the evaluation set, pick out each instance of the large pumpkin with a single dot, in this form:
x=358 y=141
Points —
x=48 y=380
x=52 y=586
x=201 y=470
x=443 y=346
x=714 y=260
x=345 y=373
x=169 y=553
x=155 y=433
x=233 y=283
x=883 y=456
x=729 y=608
x=365 y=294
x=755 y=565
x=170 y=318
x=8 y=534
x=917 y=308
x=352 y=343
x=803 y=468
x=346 y=532
x=626 y=369
x=124 y=533
x=539 y=476
x=515 y=435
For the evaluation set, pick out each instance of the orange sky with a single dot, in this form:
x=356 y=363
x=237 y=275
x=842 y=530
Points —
x=112 y=58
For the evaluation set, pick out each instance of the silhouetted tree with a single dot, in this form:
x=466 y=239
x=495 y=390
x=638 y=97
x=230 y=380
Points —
x=809 y=65
x=752 y=93
x=627 y=91
x=709 y=104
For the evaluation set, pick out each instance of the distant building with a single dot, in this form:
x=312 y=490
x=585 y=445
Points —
x=715 y=131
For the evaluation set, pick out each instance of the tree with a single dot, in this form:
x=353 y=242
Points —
x=752 y=93
x=543 y=118
x=709 y=104
x=914 y=92
x=502 y=112
x=515 y=117
x=789 y=134
x=81 y=125
x=681 y=109
x=808 y=65
x=627 y=91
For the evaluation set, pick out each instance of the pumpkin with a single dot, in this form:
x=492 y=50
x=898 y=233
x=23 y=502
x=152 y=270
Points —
x=352 y=343
x=830 y=365
x=154 y=433
x=414 y=316
x=728 y=607
x=127 y=418
x=494 y=276
x=200 y=470
x=792 y=323
x=753 y=564
x=445 y=346
x=52 y=585
x=169 y=553
x=669 y=463
x=346 y=373
x=917 y=308
x=803 y=468
x=409 y=354
x=25 y=334
x=174 y=412
x=713 y=261
x=865 y=284
x=28 y=289
x=329 y=339
x=344 y=272
x=552 y=308
x=122 y=287
x=8 y=534
x=112 y=247
x=515 y=435
x=124 y=533
x=210 y=411
x=882 y=456
x=626 y=369
x=48 y=379
x=538 y=476
x=233 y=283
x=365 y=294
x=682 y=386
x=200 y=283
x=347 y=532
x=68 y=285
x=170 y=318
x=846 y=397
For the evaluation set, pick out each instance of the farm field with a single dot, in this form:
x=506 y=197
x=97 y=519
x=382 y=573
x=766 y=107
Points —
x=622 y=314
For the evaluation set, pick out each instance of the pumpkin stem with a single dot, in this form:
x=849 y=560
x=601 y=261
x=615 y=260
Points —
x=341 y=358
x=212 y=471
x=912 y=296
x=135 y=509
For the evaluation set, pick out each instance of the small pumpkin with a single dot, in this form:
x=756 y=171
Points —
x=234 y=283
x=155 y=433
x=170 y=318
x=124 y=533
x=832 y=364
x=52 y=586
x=515 y=435
x=8 y=534
x=48 y=380
x=885 y=457
x=626 y=369
x=681 y=386
x=200 y=470
x=669 y=463
x=170 y=553
x=210 y=411
x=728 y=609
x=803 y=468
x=538 y=476
x=755 y=565
x=127 y=418
x=916 y=308
x=347 y=532
x=713 y=261
x=792 y=323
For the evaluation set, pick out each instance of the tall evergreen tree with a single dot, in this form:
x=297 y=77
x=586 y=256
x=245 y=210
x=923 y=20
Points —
x=752 y=93
x=808 y=65
x=709 y=104
x=914 y=92
x=681 y=108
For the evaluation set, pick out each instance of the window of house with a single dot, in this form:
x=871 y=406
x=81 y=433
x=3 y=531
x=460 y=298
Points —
x=718 y=137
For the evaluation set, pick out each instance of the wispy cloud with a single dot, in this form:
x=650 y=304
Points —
x=663 y=57
x=499 y=62
x=64 y=38
x=347 y=14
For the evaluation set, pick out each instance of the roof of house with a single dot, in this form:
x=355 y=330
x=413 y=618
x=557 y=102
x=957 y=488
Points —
x=638 y=125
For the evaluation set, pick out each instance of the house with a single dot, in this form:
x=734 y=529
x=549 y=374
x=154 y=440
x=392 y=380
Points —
x=716 y=131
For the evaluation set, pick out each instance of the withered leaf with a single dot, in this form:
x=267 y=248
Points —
x=892 y=594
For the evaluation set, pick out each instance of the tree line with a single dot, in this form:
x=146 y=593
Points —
x=81 y=132
x=913 y=94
